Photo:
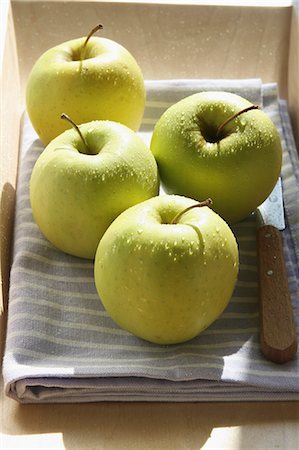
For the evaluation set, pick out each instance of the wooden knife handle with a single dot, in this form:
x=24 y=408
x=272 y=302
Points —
x=278 y=338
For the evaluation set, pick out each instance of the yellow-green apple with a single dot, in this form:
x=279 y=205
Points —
x=88 y=79
x=82 y=181
x=218 y=145
x=165 y=269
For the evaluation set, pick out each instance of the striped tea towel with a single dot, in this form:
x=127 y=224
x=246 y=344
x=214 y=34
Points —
x=63 y=347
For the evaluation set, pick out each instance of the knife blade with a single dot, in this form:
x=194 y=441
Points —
x=278 y=340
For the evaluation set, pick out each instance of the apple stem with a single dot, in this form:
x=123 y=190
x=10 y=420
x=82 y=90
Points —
x=249 y=108
x=66 y=117
x=207 y=202
x=93 y=31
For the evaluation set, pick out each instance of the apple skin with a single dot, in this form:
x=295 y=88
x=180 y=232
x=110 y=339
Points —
x=107 y=85
x=238 y=172
x=75 y=196
x=164 y=282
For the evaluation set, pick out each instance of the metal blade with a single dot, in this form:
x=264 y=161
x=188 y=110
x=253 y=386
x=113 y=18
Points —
x=271 y=212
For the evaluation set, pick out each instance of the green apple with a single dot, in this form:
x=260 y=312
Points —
x=82 y=181
x=205 y=146
x=97 y=81
x=165 y=269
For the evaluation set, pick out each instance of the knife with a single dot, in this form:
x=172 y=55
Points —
x=278 y=340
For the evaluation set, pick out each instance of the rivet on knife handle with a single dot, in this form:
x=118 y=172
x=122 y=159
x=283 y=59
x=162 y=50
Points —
x=278 y=338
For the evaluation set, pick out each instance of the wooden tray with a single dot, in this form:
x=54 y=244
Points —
x=169 y=41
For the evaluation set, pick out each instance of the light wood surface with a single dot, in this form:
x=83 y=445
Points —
x=10 y=113
x=141 y=426
x=168 y=42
